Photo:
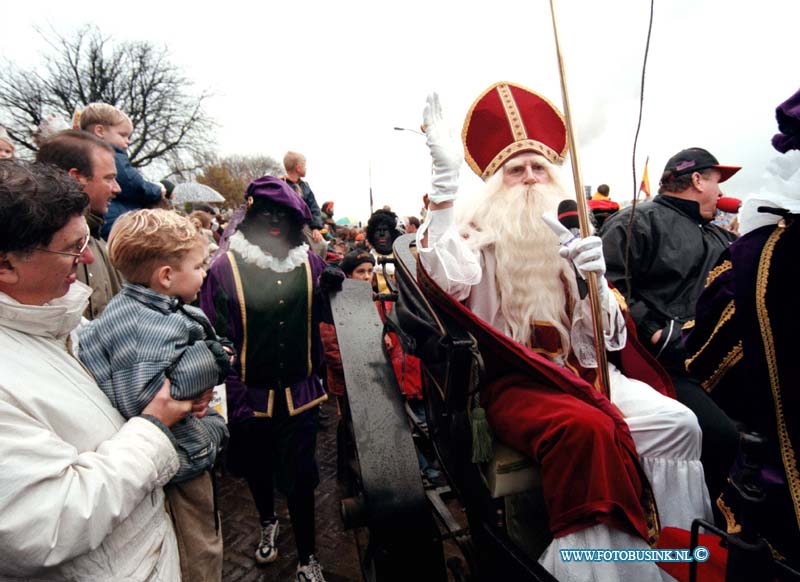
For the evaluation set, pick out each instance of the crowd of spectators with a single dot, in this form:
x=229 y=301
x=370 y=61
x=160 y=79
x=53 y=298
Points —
x=121 y=317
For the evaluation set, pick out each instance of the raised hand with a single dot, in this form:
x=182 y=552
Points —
x=447 y=153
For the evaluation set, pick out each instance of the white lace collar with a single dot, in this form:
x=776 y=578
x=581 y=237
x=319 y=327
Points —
x=253 y=254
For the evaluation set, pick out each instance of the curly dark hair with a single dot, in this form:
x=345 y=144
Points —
x=36 y=201
x=381 y=218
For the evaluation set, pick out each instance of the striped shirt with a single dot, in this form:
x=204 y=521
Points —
x=142 y=338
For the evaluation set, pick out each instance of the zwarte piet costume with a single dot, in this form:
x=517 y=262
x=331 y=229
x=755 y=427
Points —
x=269 y=308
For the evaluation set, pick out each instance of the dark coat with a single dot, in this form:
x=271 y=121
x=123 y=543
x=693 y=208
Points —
x=672 y=250
x=135 y=191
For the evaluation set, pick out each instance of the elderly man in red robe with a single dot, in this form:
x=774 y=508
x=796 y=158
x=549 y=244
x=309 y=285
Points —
x=494 y=254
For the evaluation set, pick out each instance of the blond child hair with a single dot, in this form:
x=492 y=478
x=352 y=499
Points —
x=101 y=114
x=143 y=240
x=291 y=159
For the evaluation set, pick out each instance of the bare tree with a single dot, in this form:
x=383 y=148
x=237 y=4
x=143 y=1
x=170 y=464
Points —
x=219 y=177
x=170 y=123
x=248 y=168
x=230 y=176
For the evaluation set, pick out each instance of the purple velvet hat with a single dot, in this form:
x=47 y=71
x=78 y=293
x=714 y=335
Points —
x=279 y=192
x=788 y=115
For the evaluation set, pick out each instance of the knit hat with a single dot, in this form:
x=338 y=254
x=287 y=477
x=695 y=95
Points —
x=354 y=258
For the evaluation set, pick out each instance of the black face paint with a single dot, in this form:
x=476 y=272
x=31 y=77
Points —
x=384 y=238
x=271 y=226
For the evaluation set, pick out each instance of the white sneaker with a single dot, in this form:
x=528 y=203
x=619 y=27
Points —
x=266 y=551
x=311 y=572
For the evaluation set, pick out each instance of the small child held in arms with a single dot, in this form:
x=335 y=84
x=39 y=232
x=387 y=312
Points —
x=147 y=333
x=112 y=125
x=6 y=145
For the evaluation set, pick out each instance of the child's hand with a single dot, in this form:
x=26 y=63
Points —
x=387 y=341
x=231 y=352
x=200 y=404
x=222 y=355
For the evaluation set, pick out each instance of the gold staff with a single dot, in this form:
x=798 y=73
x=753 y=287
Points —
x=583 y=219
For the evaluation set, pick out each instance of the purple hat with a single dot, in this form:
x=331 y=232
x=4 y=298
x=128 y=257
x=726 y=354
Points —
x=788 y=115
x=277 y=191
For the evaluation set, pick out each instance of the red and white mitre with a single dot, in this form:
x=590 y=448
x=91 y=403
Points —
x=508 y=119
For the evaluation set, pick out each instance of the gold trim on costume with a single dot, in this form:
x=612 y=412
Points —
x=237 y=280
x=290 y=405
x=623 y=305
x=729 y=361
x=518 y=129
x=688 y=325
x=731 y=525
x=270 y=402
x=309 y=308
x=727 y=313
x=519 y=146
x=787 y=454
x=718 y=270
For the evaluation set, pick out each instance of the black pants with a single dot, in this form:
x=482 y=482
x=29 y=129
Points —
x=280 y=450
x=720 y=436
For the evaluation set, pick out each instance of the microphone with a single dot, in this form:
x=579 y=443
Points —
x=729 y=204
x=567 y=228
x=568 y=216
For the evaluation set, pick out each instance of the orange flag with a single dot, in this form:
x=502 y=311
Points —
x=645 y=185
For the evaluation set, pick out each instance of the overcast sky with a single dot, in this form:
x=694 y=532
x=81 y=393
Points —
x=332 y=79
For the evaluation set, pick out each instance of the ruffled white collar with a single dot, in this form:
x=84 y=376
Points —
x=253 y=254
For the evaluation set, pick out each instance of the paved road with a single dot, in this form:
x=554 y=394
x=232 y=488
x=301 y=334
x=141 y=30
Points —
x=336 y=548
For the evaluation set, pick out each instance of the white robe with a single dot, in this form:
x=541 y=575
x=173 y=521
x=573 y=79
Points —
x=666 y=433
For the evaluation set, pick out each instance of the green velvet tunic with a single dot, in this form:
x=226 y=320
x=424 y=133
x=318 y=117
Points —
x=277 y=336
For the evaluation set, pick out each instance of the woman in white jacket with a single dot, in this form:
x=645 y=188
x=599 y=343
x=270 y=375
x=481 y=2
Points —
x=80 y=488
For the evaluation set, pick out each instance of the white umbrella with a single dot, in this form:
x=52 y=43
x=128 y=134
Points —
x=194 y=192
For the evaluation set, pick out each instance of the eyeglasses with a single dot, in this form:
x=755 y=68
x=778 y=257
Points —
x=84 y=244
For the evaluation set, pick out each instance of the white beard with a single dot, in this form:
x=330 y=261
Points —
x=530 y=276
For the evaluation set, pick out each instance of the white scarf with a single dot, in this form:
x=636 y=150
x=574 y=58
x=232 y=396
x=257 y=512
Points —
x=253 y=254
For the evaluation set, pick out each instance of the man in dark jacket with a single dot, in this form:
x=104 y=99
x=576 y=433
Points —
x=90 y=161
x=673 y=246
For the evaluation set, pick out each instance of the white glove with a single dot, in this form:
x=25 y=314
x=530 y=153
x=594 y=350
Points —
x=587 y=256
x=447 y=154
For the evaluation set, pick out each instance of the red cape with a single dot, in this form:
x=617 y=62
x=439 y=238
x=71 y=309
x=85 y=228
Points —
x=504 y=357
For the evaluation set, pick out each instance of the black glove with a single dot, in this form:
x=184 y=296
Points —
x=331 y=280
x=222 y=358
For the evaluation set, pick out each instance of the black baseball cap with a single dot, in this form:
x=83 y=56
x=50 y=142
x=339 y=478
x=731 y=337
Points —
x=695 y=160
